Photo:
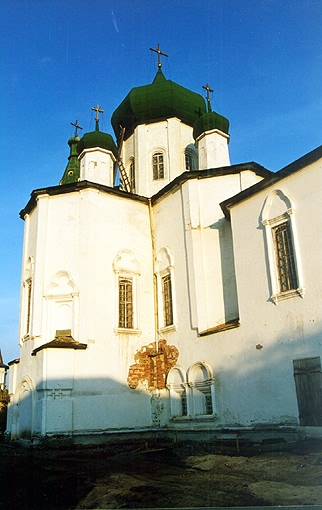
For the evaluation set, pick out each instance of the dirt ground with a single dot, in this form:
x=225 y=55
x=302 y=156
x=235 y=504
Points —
x=160 y=476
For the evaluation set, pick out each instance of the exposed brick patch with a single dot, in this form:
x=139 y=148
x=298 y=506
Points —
x=152 y=368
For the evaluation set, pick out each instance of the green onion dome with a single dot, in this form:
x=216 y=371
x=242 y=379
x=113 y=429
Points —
x=97 y=139
x=160 y=100
x=208 y=122
x=71 y=173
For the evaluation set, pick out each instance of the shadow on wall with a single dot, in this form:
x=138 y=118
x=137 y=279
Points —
x=229 y=289
x=75 y=407
x=272 y=380
x=262 y=380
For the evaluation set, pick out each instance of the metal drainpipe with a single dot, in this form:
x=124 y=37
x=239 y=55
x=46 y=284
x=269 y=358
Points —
x=155 y=300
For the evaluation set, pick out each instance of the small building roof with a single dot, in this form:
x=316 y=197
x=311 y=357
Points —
x=62 y=340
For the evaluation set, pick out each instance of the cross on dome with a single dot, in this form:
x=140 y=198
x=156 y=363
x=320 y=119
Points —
x=209 y=90
x=98 y=110
x=159 y=52
x=77 y=127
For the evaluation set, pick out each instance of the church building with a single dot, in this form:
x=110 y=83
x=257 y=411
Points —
x=166 y=291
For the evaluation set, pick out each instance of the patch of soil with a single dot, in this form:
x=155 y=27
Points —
x=150 y=476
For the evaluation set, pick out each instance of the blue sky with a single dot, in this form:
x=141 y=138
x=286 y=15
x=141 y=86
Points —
x=59 y=58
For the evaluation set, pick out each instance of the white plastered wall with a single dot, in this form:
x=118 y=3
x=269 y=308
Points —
x=77 y=236
x=170 y=137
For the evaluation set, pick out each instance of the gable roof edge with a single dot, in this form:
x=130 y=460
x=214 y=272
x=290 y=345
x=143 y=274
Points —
x=292 y=168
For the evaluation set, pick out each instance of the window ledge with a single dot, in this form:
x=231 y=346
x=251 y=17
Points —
x=197 y=417
x=165 y=329
x=127 y=331
x=234 y=323
x=281 y=296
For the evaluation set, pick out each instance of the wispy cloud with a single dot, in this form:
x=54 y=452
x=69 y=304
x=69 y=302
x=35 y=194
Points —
x=115 y=22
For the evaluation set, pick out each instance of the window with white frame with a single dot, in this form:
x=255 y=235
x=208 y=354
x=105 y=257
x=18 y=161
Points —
x=167 y=299
x=125 y=303
x=164 y=272
x=127 y=271
x=284 y=253
x=177 y=387
x=158 y=165
x=190 y=157
x=278 y=218
x=192 y=396
x=201 y=382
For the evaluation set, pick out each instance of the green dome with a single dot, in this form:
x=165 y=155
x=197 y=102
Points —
x=160 y=100
x=71 y=173
x=97 y=139
x=209 y=121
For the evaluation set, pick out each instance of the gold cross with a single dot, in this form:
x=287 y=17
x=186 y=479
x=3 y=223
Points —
x=159 y=52
x=76 y=126
x=208 y=89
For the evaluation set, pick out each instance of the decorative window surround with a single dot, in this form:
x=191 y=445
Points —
x=190 y=158
x=192 y=397
x=61 y=306
x=125 y=302
x=158 y=165
x=178 y=393
x=125 y=268
x=165 y=277
x=270 y=224
x=133 y=324
x=167 y=300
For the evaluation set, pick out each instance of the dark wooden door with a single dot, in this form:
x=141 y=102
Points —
x=308 y=383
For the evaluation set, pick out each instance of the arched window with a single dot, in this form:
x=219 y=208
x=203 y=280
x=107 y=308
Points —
x=283 y=254
x=177 y=387
x=22 y=426
x=167 y=300
x=165 y=288
x=190 y=156
x=127 y=271
x=158 y=165
x=201 y=383
x=62 y=306
x=192 y=396
x=125 y=302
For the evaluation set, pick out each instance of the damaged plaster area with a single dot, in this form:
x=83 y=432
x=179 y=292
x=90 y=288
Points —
x=152 y=366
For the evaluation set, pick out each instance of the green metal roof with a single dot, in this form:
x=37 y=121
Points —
x=160 y=100
x=209 y=121
x=77 y=145
x=71 y=173
x=97 y=139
